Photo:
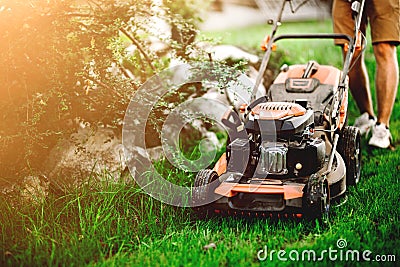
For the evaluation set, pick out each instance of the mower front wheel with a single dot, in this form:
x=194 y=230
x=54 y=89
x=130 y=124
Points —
x=317 y=199
x=203 y=192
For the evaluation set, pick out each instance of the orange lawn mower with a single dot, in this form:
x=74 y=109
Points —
x=290 y=152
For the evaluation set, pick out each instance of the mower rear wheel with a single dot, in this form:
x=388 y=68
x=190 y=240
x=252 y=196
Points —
x=349 y=148
x=203 y=192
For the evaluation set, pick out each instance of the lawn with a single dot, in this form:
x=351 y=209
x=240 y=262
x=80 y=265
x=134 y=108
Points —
x=115 y=224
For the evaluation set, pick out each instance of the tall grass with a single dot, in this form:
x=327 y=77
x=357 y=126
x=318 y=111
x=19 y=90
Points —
x=117 y=224
x=91 y=224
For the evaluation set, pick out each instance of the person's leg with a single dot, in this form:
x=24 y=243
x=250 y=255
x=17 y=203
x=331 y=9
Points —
x=387 y=75
x=384 y=17
x=359 y=82
x=359 y=86
x=386 y=80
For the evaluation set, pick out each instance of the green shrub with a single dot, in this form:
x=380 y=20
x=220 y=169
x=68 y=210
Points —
x=65 y=61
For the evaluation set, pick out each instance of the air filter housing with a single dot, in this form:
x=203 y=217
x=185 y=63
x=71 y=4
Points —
x=281 y=119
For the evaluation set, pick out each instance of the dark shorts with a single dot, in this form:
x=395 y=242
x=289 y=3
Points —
x=383 y=16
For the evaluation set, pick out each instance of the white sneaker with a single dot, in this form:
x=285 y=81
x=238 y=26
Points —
x=364 y=123
x=381 y=136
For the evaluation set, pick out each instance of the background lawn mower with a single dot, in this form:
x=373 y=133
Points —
x=289 y=153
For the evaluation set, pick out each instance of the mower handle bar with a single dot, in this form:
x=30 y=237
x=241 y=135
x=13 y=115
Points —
x=313 y=36
x=295 y=36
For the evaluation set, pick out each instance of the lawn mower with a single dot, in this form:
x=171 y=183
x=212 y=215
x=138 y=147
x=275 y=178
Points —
x=290 y=152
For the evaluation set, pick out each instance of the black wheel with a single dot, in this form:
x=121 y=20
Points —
x=325 y=202
x=203 y=192
x=350 y=149
x=316 y=203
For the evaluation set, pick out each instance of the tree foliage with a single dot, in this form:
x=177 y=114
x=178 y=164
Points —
x=66 y=61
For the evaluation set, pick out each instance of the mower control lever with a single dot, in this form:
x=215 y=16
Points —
x=311 y=68
x=235 y=126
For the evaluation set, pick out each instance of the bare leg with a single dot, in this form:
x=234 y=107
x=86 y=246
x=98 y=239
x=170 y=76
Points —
x=387 y=77
x=359 y=86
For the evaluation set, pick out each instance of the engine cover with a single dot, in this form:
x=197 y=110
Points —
x=307 y=158
x=281 y=119
x=293 y=159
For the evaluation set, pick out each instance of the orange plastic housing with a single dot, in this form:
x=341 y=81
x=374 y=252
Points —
x=265 y=42
x=288 y=191
x=325 y=74
x=343 y=110
x=358 y=46
x=220 y=166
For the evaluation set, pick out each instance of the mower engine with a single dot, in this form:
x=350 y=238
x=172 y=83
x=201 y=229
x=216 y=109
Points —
x=281 y=142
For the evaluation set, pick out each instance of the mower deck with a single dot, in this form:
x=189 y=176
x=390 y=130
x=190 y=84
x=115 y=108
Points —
x=269 y=196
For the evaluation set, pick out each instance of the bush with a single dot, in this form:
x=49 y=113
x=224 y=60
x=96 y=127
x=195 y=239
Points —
x=66 y=62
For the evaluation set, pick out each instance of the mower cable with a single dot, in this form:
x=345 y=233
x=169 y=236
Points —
x=327 y=131
x=333 y=151
x=294 y=10
x=341 y=203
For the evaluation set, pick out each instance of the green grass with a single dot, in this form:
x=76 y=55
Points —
x=294 y=51
x=115 y=224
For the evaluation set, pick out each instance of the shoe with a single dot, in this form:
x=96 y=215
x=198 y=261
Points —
x=381 y=136
x=365 y=122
